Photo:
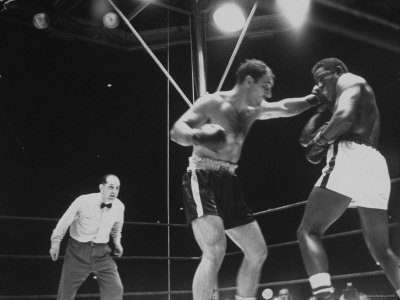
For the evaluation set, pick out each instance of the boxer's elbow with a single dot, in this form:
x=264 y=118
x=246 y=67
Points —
x=173 y=134
x=178 y=137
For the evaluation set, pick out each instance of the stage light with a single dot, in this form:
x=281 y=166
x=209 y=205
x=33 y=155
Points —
x=111 y=20
x=41 y=20
x=229 y=17
x=295 y=11
x=267 y=294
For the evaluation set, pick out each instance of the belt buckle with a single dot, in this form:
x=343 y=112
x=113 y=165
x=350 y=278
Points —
x=92 y=243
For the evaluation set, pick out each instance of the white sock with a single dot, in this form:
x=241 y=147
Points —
x=398 y=293
x=244 y=298
x=321 y=282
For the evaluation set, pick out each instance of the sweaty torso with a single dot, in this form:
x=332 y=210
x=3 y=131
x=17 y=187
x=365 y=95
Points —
x=367 y=119
x=236 y=123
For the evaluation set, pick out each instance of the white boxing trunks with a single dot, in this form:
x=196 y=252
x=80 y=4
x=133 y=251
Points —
x=359 y=172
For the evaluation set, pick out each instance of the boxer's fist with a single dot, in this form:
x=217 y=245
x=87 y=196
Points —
x=315 y=154
x=211 y=136
x=316 y=150
x=320 y=98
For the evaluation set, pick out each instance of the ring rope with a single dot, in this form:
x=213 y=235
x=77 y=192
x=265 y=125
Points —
x=17 y=218
x=325 y=237
x=352 y=232
x=306 y=280
x=272 y=246
x=275 y=209
x=226 y=289
x=271 y=210
x=279 y=208
x=133 y=257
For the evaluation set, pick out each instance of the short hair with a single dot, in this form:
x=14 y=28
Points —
x=254 y=68
x=329 y=63
x=105 y=178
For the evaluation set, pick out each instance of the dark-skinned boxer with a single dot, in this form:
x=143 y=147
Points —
x=355 y=175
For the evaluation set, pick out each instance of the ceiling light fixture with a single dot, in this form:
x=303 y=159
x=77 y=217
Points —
x=229 y=17
x=295 y=11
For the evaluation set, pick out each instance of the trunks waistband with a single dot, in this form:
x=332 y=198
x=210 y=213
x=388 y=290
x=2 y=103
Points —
x=359 y=139
x=202 y=163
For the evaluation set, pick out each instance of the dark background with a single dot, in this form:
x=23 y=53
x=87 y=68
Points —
x=62 y=128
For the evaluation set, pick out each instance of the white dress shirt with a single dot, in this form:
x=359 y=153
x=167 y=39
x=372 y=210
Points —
x=89 y=223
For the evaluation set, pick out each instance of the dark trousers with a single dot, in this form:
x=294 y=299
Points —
x=80 y=260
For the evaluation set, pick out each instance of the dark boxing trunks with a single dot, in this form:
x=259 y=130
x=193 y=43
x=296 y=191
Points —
x=210 y=187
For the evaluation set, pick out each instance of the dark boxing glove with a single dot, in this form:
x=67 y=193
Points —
x=211 y=136
x=317 y=149
x=316 y=123
x=315 y=154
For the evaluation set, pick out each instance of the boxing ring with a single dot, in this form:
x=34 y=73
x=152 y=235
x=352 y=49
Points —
x=172 y=293
x=169 y=293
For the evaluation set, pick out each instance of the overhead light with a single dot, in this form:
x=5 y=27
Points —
x=267 y=294
x=41 y=20
x=229 y=17
x=295 y=11
x=111 y=20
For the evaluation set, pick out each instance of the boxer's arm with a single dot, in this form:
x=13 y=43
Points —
x=291 y=106
x=348 y=99
x=187 y=126
x=286 y=107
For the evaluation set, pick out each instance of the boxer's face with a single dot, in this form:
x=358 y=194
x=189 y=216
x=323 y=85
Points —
x=109 y=191
x=266 y=83
x=262 y=88
x=326 y=80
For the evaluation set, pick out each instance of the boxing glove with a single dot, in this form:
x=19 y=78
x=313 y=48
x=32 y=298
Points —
x=318 y=98
x=317 y=149
x=315 y=154
x=211 y=136
x=316 y=123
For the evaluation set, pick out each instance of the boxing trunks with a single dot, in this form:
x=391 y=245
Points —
x=356 y=169
x=211 y=187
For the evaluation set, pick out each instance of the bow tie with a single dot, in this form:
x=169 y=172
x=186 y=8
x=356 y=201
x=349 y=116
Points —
x=102 y=205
